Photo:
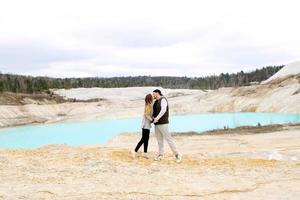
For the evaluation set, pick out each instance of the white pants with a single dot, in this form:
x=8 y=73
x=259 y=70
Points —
x=161 y=133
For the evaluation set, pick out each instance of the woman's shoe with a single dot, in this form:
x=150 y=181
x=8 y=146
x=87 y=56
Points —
x=145 y=155
x=132 y=152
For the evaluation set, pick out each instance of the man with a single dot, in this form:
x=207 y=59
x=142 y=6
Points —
x=161 y=122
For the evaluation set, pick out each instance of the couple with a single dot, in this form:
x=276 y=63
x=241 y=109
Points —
x=157 y=113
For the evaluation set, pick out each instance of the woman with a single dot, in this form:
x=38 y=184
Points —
x=146 y=126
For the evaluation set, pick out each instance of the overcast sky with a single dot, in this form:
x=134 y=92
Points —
x=69 y=38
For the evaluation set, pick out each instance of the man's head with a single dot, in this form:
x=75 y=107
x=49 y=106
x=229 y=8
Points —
x=157 y=94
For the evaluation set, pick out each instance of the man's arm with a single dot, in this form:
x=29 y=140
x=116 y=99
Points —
x=163 y=110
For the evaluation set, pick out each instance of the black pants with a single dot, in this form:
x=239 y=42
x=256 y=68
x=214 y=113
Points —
x=144 y=140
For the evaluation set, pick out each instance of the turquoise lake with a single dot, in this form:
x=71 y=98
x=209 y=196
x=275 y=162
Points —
x=100 y=131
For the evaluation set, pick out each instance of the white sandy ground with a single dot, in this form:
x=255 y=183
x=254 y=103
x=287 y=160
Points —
x=282 y=96
x=232 y=166
x=120 y=94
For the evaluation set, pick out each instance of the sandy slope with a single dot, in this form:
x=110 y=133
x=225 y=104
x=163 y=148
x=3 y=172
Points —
x=290 y=69
x=230 y=166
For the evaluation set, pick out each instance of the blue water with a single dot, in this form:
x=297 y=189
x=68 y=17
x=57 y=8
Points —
x=100 y=131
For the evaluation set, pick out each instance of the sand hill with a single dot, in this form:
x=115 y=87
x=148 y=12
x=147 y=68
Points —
x=290 y=69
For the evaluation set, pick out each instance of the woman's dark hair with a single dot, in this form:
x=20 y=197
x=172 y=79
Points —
x=148 y=99
x=158 y=91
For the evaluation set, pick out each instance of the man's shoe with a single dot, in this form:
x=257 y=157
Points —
x=159 y=158
x=178 y=158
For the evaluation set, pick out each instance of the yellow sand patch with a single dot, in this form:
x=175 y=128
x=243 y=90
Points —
x=123 y=155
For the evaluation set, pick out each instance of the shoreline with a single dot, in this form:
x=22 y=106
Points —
x=242 y=130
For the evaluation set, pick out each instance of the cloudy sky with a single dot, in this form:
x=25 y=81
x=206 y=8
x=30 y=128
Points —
x=80 y=38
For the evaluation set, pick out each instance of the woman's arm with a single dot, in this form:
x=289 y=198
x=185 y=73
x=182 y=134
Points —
x=148 y=117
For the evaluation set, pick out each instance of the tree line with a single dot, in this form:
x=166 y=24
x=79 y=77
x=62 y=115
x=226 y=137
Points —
x=29 y=84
